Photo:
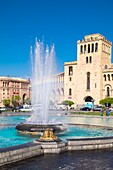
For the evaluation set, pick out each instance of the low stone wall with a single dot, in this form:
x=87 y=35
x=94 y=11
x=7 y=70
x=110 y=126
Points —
x=90 y=143
x=20 y=152
x=24 y=151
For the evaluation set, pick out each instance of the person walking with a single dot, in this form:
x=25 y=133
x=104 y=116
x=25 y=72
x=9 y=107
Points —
x=108 y=112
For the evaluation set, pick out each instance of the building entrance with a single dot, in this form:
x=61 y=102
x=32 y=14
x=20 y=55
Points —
x=89 y=102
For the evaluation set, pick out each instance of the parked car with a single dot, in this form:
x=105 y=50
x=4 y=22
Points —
x=25 y=109
x=3 y=108
x=72 y=107
x=98 y=108
x=85 y=109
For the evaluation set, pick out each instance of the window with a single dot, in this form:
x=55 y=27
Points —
x=86 y=59
x=95 y=85
x=70 y=70
x=108 y=91
x=104 y=77
x=70 y=78
x=88 y=48
x=84 y=49
x=88 y=80
x=81 y=49
x=92 y=50
x=90 y=59
x=70 y=92
x=108 y=77
x=96 y=47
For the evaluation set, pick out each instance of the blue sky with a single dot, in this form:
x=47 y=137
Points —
x=61 y=22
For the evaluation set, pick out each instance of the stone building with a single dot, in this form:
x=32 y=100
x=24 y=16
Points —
x=11 y=86
x=90 y=78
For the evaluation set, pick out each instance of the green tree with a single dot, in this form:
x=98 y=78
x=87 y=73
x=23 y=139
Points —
x=16 y=100
x=106 y=100
x=6 y=102
x=68 y=102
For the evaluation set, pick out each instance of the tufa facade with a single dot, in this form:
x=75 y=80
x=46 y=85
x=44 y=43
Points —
x=90 y=78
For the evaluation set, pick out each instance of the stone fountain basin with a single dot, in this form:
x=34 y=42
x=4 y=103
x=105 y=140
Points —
x=56 y=128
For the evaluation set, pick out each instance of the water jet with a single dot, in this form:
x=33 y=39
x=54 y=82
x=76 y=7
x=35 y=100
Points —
x=43 y=64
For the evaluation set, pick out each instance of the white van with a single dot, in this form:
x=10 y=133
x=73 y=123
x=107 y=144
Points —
x=61 y=107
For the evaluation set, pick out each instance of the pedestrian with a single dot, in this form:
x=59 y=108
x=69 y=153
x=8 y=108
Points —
x=109 y=112
x=102 y=111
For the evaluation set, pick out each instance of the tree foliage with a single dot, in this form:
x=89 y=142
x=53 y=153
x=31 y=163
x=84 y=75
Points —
x=68 y=102
x=16 y=100
x=106 y=100
x=6 y=102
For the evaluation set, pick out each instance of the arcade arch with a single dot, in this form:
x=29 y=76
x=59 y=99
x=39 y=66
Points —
x=89 y=102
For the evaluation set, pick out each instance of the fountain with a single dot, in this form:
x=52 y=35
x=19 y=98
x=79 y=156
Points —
x=41 y=83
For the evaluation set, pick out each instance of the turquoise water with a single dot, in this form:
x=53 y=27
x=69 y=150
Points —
x=12 y=119
x=10 y=137
x=75 y=132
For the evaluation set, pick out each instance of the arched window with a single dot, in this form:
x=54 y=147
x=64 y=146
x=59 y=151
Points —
x=81 y=49
x=88 y=48
x=70 y=92
x=104 y=77
x=84 y=48
x=108 y=91
x=96 y=47
x=88 y=80
x=92 y=49
x=90 y=59
x=112 y=76
x=86 y=59
x=108 y=77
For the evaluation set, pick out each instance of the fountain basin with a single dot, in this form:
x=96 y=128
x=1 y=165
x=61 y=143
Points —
x=38 y=128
